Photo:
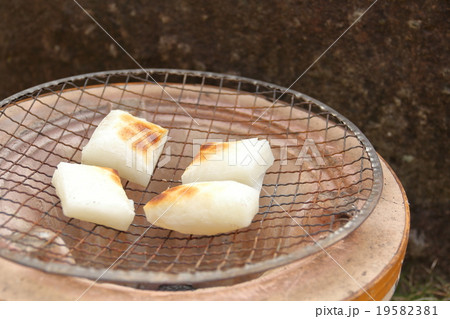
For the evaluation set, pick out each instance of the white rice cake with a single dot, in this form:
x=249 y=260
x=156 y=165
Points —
x=244 y=161
x=129 y=144
x=93 y=194
x=205 y=208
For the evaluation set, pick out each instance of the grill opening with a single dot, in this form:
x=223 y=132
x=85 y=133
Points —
x=325 y=181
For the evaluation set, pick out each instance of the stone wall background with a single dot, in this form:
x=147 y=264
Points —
x=389 y=74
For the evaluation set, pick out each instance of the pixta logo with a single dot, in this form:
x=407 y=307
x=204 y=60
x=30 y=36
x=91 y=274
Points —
x=252 y=151
x=142 y=151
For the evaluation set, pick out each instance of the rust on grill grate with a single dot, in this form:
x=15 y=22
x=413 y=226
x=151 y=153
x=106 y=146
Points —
x=325 y=181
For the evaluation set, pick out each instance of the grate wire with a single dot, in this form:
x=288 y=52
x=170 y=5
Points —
x=44 y=125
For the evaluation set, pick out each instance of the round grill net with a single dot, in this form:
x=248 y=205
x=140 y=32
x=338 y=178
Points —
x=325 y=181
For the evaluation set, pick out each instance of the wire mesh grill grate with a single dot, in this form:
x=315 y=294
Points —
x=306 y=199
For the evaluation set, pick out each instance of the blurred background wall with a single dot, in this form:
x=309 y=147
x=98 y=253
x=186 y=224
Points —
x=389 y=74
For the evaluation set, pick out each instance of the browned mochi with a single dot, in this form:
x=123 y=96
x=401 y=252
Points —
x=205 y=208
x=173 y=193
x=129 y=144
x=244 y=161
x=114 y=175
x=132 y=126
x=208 y=150
x=93 y=194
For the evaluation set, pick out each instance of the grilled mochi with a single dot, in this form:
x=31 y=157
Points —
x=93 y=194
x=205 y=208
x=244 y=161
x=129 y=144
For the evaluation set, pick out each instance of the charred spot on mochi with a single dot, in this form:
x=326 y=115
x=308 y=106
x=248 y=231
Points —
x=113 y=174
x=111 y=170
x=173 y=194
x=209 y=149
x=140 y=133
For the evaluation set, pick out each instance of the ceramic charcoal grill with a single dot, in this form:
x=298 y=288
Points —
x=325 y=181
